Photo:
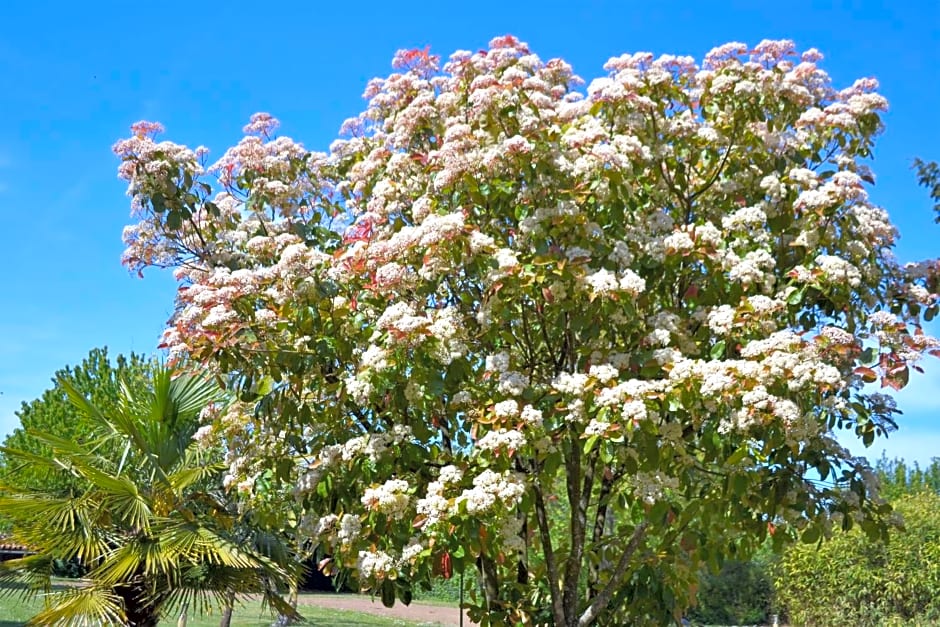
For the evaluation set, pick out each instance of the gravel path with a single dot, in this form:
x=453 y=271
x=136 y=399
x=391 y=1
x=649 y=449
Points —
x=447 y=616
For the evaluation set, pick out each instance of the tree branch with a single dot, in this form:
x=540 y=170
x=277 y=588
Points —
x=558 y=608
x=601 y=600
x=578 y=521
x=600 y=523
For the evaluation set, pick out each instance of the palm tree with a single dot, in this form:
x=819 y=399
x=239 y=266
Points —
x=151 y=521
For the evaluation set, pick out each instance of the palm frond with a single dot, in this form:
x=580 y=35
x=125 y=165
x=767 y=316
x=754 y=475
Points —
x=190 y=474
x=190 y=393
x=120 y=565
x=27 y=576
x=32 y=459
x=66 y=453
x=206 y=546
x=121 y=496
x=88 y=409
x=90 y=606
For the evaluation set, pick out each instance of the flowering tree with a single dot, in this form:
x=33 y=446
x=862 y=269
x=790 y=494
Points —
x=498 y=302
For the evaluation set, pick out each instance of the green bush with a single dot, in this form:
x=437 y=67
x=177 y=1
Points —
x=851 y=580
x=740 y=593
x=448 y=590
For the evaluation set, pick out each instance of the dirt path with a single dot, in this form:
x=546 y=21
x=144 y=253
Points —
x=447 y=616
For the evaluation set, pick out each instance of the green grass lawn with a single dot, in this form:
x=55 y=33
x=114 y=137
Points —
x=14 y=612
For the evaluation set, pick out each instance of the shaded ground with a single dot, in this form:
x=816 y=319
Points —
x=446 y=615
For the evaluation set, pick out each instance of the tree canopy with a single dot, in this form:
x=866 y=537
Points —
x=97 y=379
x=662 y=295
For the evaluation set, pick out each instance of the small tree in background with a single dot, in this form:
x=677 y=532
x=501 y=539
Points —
x=664 y=295
x=98 y=380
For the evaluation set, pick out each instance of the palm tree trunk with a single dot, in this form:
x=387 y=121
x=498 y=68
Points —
x=283 y=620
x=227 y=612
x=138 y=611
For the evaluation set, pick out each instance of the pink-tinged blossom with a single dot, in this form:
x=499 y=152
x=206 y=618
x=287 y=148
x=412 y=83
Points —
x=261 y=124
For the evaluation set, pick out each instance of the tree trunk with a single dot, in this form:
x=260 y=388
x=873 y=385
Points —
x=227 y=610
x=138 y=611
x=282 y=620
x=489 y=581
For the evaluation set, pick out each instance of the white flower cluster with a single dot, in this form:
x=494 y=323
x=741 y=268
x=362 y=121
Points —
x=510 y=533
x=349 y=529
x=603 y=372
x=571 y=383
x=490 y=489
x=596 y=427
x=411 y=552
x=435 y=507
x=402 y=318
x=651 y=487
x=626 y=397
x=371 y=445
x=497 y=362
x=753 y=268
x=359 y=388
x=346 y=529
x=838 y=271
x=506 y=409
x=390 y=498
x=204 y=436
x=532 y=416
x=502 y=440
x=377 y=564
x=447 y=328
x=721 y=319
x=604 y=282
x=512 y=383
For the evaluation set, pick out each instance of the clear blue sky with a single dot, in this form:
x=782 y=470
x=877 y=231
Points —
x=75 y=75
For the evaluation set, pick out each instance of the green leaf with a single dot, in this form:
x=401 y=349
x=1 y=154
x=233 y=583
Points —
x=718 y=350
x=158 y=204
x=388 y=593
x=589 y=443
x=174 y=220
x=795 y=298
x=736 y=457
x=811 y=534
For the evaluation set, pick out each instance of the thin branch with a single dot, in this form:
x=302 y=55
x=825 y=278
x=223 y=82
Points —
x=721 y=166
x=558 y=608
x=578 y=520
x=600 y=523
x=603 y=599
